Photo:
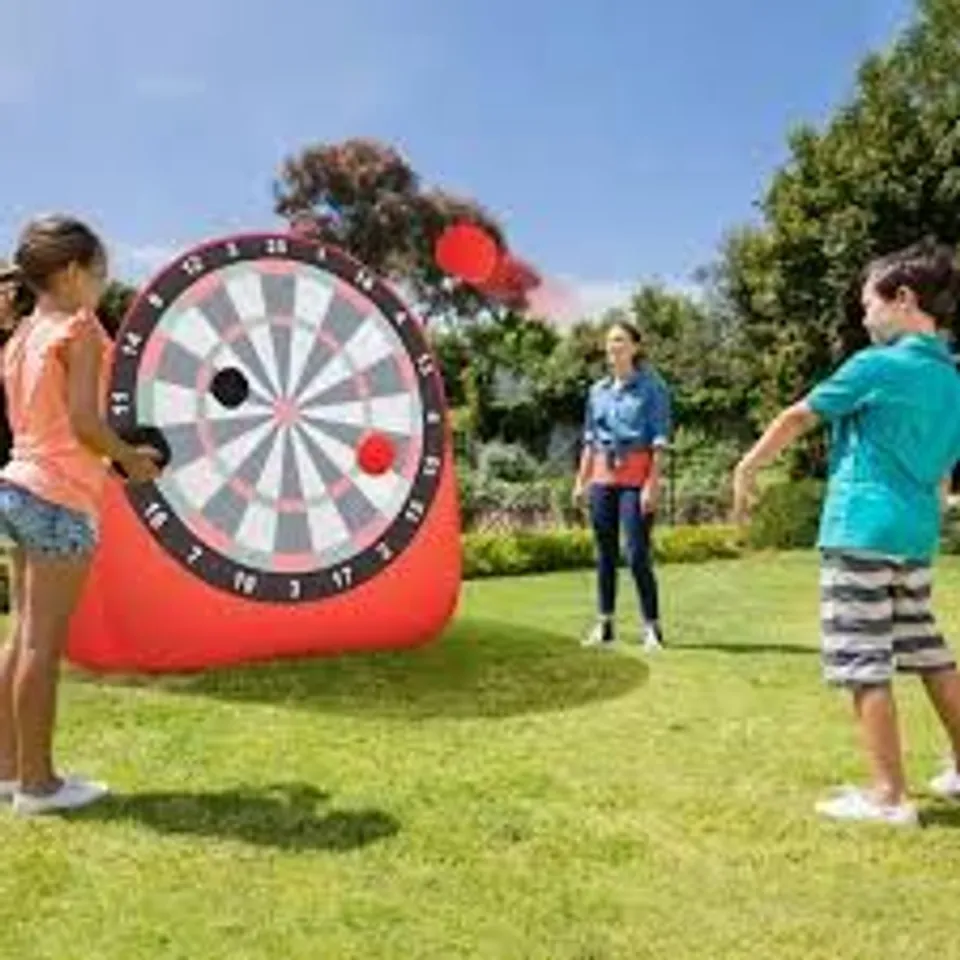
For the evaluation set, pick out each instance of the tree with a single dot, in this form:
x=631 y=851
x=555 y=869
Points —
x=363 y=196
x=114 y=304
x=699 y=355
x=884 y=172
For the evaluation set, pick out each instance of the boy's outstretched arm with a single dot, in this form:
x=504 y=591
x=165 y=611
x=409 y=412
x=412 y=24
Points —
x=786 y=428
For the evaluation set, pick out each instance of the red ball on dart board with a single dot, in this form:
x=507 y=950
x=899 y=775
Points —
x=375 y=453
x=308 y=502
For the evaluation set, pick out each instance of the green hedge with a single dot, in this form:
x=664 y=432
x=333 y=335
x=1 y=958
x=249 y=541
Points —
x=546 y=551
x=787 y=516
x=950 y=543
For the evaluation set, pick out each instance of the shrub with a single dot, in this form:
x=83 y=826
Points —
x=467 y=494
x=787 y=516
x=702 y=470
x=697 y=544
x=489 y=554
x=506 y=461
x=950 y=541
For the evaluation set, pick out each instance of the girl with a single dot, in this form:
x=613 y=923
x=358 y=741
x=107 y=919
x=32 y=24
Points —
x=627 y=425
x=50 y=494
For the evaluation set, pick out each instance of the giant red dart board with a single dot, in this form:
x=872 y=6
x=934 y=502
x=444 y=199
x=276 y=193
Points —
x=308 y=503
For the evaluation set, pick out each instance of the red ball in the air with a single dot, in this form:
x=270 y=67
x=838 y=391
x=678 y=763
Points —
x=467 y=252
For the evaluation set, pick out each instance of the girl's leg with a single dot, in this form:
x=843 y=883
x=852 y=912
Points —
x=606 y=530
x=638 y=527
x=52 y=590
x=8 y=668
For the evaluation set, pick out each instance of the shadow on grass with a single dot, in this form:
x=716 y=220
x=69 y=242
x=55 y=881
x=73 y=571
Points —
x=944 y=815
x=748 y=648
x=478 y=668
x=282 y=816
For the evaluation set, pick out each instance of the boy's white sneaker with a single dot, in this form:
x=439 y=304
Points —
x=947 y=784
x=72 y=794
x=853 y=804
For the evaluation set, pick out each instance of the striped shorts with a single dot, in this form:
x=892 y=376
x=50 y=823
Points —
x=875 y=616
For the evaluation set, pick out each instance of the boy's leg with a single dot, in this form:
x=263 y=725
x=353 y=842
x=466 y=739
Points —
x=8 y=669
x=943 y=688
x=919 y=647
x=857 y=624
x=876 y=712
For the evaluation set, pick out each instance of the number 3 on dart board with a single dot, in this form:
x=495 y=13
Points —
x=307 y=503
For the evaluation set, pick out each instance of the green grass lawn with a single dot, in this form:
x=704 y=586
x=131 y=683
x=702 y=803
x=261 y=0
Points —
x=501 y=794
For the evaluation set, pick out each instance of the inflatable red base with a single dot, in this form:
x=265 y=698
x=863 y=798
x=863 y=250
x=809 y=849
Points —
x=143 y=613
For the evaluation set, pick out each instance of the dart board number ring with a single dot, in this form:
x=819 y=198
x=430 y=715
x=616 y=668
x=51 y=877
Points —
x=300 y=413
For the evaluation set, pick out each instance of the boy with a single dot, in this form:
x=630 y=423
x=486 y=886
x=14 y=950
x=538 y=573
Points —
x=894 y=409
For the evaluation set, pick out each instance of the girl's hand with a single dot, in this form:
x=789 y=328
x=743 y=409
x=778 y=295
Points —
x=142 y=464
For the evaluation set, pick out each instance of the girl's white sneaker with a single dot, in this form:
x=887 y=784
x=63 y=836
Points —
x=853 y=804
x=72 y=794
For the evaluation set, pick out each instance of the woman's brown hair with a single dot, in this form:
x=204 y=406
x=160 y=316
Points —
x=633 y=332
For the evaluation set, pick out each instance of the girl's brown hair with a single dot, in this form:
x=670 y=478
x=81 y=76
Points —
x=47 y=246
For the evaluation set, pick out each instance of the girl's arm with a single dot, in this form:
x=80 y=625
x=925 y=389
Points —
x=84 y=359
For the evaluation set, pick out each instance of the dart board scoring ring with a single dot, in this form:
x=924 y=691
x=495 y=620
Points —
x=264 y=365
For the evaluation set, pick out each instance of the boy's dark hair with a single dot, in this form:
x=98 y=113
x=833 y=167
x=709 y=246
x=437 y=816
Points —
x=929 y=269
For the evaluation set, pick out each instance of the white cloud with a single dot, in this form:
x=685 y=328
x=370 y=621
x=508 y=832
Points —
x=137 y=262
x=567 y=301
x=596 y=297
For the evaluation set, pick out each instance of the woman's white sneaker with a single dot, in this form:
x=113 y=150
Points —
x=72 y=794
x=602 y=635
x=652 y=638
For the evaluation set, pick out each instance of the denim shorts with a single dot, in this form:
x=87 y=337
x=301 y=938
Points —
x=37 y=526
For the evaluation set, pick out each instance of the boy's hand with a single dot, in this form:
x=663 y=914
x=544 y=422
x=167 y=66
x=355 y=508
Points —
x=744 y=492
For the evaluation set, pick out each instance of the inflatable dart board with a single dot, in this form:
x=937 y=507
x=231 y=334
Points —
x=308 y=502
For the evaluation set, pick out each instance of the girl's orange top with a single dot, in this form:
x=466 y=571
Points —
x=47 y=458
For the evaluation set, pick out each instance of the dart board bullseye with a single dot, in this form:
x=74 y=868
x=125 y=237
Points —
x=301 y=410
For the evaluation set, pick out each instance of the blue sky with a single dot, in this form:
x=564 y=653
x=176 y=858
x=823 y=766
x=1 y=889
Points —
x=615 y=145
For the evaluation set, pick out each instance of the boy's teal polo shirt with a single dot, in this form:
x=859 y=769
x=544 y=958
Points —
x=895 y=417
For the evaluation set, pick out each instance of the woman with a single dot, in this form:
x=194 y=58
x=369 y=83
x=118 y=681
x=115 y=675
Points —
x=627 y=424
